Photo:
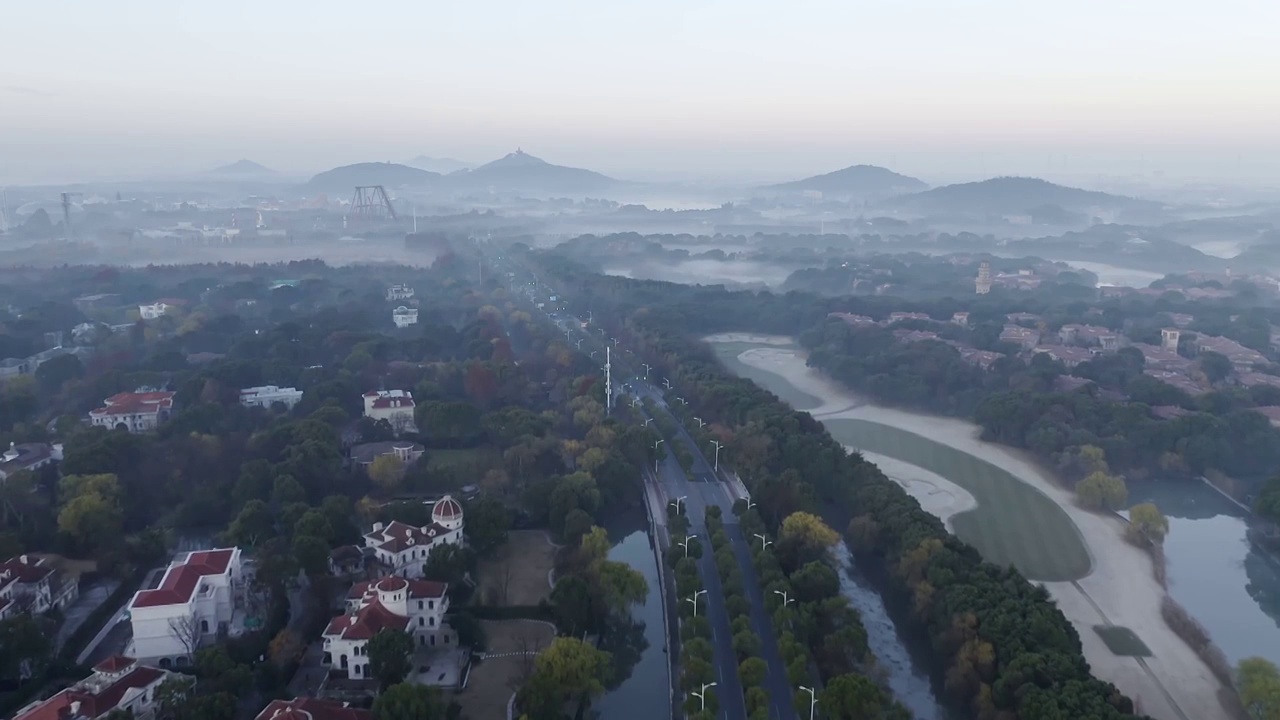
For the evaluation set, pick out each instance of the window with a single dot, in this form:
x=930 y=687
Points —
x=433 y=621
x=421 y=622
x=204 y=626
x=431 y=604
x=419 y=604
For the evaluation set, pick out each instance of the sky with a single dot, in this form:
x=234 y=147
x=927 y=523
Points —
x=699 y=89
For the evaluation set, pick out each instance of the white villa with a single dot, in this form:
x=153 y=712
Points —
x=399 y=292
x=29 y=584
x=404 y=316
x=200 y=597
x=117 y=683
x=136 y=411
x=265 y=396
x=403 y=549
x=414 y=606
x=394 y=406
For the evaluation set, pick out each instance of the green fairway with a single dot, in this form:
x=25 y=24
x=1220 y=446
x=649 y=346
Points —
x=1014 y=523
x=728 y=353
x=1122 y=641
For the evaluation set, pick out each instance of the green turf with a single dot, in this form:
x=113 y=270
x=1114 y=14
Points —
x=1014 y=523
x=469 y=459
x=1122 y=641
x=728 y=354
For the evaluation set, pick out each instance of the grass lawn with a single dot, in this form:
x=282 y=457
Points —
x=465 y=459
x=1014 y=523
x=1122 y=641
x=517 y=572
x=493 y=680
x=728 y=353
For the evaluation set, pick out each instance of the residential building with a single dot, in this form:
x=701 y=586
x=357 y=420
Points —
x=1271 y=413
x=853 y=320
x=1178 y=380
x=30 y=584
x=982 y=358
x=159 y=308
x=394 y=406
x=89 y=303
x=404 y=316
x=1168 y=412
x=408 y=453
x=1090 y=336
x=1022 y=317
x=910 y=336
x=117 y=683
x=1249 y=379
x=396 y=603
x=200 y=597
x=28 y=456
x=895 y=317
x=399 y=292
x=349 y=560
x=1025 y=338
x=1169 y=338
x=135 y=411
x=1158 y=358
x=265 y=396
x=1244 y=359
x=1181 y=320
x=982 y=285
x=1070 y=383
x=1067 y=355
x=403 y=549
x=311 y=709
x=961 y=319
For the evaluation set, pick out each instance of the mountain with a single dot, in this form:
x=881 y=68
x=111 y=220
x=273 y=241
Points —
x=864 y=181
x=444 y=166
x=1018 y=196
x=243 y=167
x=521 y=172
x=387 y=174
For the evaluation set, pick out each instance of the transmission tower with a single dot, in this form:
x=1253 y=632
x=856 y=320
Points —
x=608 y=381
x=66 y=211
x=372 y=203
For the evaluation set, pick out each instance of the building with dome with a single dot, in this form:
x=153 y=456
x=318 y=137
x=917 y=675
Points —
x=416 y=607
x=402 y=549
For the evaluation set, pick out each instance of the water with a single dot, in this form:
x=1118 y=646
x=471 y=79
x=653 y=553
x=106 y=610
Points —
x=1213 y=570
x=641 y=687
x=907 y=679
x=1122 y=276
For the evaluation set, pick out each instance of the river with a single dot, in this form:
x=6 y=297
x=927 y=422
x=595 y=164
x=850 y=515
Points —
x=640 y=688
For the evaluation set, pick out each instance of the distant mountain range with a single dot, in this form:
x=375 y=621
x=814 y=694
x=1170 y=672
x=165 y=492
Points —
x=391 y=175
x=243 y=167
x=863 y=181
x=1017 y=196
x=444 y=166
x=522 y=172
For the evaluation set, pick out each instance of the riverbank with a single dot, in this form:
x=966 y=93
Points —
x=1119 y=587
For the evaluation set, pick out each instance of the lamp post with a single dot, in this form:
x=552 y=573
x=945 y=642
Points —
x=717 y=444
x=667 y=383
x=655 y=452
x=764 y=543
x=579 y=343
x=785 y=599
x=593 y=353
x=646 y=370
x=683 y=401
x=694 y=599
x=703 y=695
x=813 y=699
x=750 y=503
x=685 y=544
x=701 y=424
x=647 y=421
x=679 y=501
x=635 y=401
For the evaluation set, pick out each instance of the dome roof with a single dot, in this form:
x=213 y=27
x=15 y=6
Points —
x=392 y=584
x=446 y=508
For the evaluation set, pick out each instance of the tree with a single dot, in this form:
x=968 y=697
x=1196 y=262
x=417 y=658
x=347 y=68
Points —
x=252 y=526
x=187 y=630
x=851 y=697
x=1216 y=366
x=620 y=585
x=172 y=696
x=1099 y=491
x=386 y=471
x=390 y=656
x=55 y=373
x=815 y=581
x=488 y=521
x=1147 y=525
x=1268 y=503
x=24 y=647
x=409 y=701
x=1259 y=684
x=568 y=670
x=804 y=537
x=92 y=521
x=752 y=672
x=312 y=554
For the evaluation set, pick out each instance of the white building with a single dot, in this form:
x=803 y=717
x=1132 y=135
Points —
x=135 y=412
x=199 y=598
x=30 y=584
x=28 y=456
x=404 y=316
x=159 y=308
x=413 y=606
x=394 y=406
x=399 y=292
x=267 y=395
x=403 y=549
x=117 y=683
x=305 y=708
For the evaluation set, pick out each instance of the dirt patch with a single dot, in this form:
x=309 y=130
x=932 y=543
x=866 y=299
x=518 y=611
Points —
x=517 y=572
x=493 y=680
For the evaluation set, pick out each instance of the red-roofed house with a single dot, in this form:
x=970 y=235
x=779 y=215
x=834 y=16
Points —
x=311 y=709
x=29 y=584
x=135 y=412
x=414 y=606
x=117 y=683
x=394 y=406
x=198 y=598
x=403 y=548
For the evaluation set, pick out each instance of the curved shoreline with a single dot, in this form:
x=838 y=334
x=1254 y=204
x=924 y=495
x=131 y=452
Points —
x=1119 y=589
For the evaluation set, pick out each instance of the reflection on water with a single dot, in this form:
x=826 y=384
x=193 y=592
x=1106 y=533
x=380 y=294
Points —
x=640 y=687
x=1214 y=572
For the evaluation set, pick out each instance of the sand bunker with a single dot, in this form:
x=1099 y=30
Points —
x=936 y=494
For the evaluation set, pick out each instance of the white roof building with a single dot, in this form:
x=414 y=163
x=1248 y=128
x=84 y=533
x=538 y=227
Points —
x=265 y=396
x=394 y=406
x=399 y=292
x=404 y=316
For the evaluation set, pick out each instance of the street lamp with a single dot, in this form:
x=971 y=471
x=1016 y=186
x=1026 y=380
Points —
x=601 y=331
x=785 y=599
x=813 y=699
x=764 y=543
x=635 y=401
x=655 y=452
x=700 y=423
x=647 y=421
x=683 y=401
x=694 y=600
x=718 y=446
x=678 y=501
x=593 y=353
x=647 y=367
x=579 y=343
x=750 y=502
x=667 y=383
x=703 y=695
x=685 y=544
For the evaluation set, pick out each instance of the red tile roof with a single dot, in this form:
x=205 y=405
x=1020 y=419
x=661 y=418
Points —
x=181 y=580
x=58 y=707
x=136 y=403
x=366 y=622
x=114 y=664
x=311 y=709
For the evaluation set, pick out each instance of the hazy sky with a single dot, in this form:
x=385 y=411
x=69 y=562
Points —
x=742 y=89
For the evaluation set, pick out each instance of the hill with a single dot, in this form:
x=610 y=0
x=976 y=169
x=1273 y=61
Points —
x=243 y=167
x=521 y=172
x=865 y=181
x=371 y=173
x=1018 y=196
x=444 y=166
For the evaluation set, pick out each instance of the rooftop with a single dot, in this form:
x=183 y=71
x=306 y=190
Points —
x=136 y=403
x=311 y=709
x=97 y=695
x=181 y=580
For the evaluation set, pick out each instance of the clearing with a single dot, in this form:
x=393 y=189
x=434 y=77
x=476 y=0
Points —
x=513 y=645
x=517 y=574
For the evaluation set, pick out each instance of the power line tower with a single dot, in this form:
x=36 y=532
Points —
x=371 y=202
x=66 y=211
x=608 y=381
